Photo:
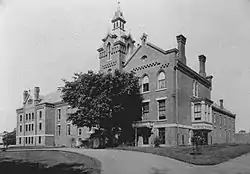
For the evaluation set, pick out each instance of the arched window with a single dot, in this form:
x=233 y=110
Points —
x=195 y=88
x=161 y=80
x=128 y=49
x=145 y=84
x=109 y=51
x=109 y=70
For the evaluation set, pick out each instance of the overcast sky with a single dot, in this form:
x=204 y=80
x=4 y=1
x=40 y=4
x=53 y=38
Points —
x=43 y=41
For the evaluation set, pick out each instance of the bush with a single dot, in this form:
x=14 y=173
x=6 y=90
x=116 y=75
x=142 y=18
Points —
x=157 y=142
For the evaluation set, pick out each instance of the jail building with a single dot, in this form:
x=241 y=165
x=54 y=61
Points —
x=176 y=99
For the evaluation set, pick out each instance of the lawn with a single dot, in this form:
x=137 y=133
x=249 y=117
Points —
x=46 y=162
x=211 y=155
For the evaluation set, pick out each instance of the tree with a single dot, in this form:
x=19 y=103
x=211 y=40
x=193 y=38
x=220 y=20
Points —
x=110 y=102
x=9 y=138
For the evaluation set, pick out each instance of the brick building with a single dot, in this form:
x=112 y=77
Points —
x=177 y=100
x=43 y=121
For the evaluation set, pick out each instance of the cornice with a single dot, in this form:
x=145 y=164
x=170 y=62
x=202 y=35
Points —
x=224 y=112
x=191 y=73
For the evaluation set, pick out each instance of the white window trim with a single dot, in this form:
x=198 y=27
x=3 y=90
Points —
x=162 y=89
x=145 y=92
x=161 y=98
x=146 y=101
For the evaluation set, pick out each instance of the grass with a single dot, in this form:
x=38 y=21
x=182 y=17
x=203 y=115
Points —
x=211 y=155
x=46 y=162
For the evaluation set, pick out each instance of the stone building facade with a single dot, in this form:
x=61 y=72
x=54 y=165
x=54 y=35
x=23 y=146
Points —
x=177 y=100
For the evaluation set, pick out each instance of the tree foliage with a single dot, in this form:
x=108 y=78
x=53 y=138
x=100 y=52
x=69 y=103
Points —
x=111 y=102
x=9 y=138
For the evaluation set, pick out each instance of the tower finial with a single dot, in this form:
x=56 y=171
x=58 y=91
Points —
x=118 y=6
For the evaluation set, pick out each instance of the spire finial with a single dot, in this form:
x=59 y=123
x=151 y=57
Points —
x=118 y=6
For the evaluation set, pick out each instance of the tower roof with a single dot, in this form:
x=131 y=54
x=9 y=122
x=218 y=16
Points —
x=118 y=15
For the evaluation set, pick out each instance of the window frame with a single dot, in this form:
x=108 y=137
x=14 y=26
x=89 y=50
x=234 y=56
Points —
x=145 y=84
x=68 y=129
x=59 y=114
x=197 y=111
x=163 y=140
x=40 y=126
x=161 y=109
x=195 y=88
x=161 y=81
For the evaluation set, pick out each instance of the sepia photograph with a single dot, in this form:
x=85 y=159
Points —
x=124 y=86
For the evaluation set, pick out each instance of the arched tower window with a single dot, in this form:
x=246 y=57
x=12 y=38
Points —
x=161 y=80
x=145 y=84
x=109 y=51
x=128 y=49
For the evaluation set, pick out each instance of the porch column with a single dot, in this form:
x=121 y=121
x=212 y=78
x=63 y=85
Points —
x=136 y=141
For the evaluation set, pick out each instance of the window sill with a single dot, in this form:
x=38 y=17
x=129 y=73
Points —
x=162 y=89
x=145 y=92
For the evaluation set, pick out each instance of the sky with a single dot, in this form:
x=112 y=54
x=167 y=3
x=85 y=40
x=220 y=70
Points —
x=44 y=41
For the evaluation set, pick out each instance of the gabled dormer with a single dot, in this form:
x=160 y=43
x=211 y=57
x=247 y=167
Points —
x=31 y=99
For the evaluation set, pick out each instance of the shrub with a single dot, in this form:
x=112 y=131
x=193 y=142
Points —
x=157 y=142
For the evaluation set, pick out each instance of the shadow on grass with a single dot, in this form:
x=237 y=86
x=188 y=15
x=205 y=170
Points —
x=8 y=166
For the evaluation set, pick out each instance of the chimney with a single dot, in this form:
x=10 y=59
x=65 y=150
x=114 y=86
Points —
x=202 y=60
x=221 y=104
x=209 y=78
x=25 y=95
x=36 y=93
x=143 y=39
x=181 y=41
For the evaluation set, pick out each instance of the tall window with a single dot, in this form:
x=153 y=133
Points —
x=128 y=49
x=40 y=126
x=214 y=118
x=40 y=114
x=29 y=116
x=59 y=130
x=59 y=114
x=195 y=88
x=21 y=128
x=26 y=140
x=68 y=129
x=21 y=118
x=109 y=51
x=79 y=131
x=29 y=127
x=161 y=80
x=208 y=112
x=26 y=127
x=29 y=140
x=32 y=116
x=32 y=127
x=145 y=84
x=20 y=140
x=162 y=109
x=32 y=140
x=145 y=108
x=39 y=140
x=26 y=117
x=162 y=135
x=197 y=112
